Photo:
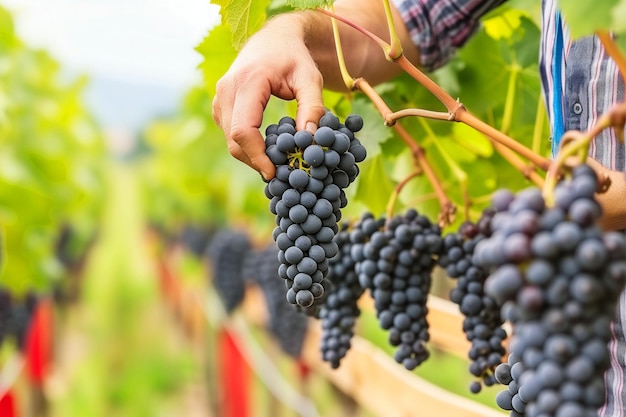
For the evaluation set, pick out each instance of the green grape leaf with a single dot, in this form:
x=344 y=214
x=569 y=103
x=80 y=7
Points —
x=243 y=16
x=277 y=7
x=403 y=164
x=504 y=24
x=472 y=140
x=419 y=194
x=7 y=32
x=583 y=17
x=309 y=4
x=619 y=24
x=529 y=8
x=218 y=54
x=374 y=131
x=482 y=180
x=374 y=187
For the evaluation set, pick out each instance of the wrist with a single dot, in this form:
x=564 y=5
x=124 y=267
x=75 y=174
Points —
x=295 y=25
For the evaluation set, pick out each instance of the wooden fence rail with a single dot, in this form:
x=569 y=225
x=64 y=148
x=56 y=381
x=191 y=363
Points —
x=367 y=374
x=376 y=381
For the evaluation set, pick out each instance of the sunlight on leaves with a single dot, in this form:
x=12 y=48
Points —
x=374 y=187
x=309 y=4
x=503 y=25
x=218 y=54
x=243 y=16
x=584 y=17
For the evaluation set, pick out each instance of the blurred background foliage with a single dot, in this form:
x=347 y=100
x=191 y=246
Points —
x=86 y=224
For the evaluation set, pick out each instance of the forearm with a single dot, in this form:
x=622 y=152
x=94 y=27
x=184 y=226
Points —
x=363 y=57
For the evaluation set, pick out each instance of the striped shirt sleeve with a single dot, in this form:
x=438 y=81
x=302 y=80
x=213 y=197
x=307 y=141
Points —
x=439 y=27
x=590 y=84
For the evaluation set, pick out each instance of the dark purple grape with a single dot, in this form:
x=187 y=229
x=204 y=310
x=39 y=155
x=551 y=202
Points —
x=562 y=300
x=354 y=122
x=307 y=197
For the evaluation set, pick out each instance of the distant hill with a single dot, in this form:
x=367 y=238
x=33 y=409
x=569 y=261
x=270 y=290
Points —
x=130 y=104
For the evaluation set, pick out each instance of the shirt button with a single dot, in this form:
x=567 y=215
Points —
x=577 y=108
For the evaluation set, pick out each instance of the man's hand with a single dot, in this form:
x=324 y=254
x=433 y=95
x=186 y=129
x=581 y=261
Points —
x=293 y=57
x=275 y=61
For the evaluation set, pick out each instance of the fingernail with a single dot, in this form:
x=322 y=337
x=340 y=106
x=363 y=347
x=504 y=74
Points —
x=311 y=127
x=265 y=176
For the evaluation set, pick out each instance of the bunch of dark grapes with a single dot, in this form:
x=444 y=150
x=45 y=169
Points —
x=6 y=305
x=63 y=249
x=21 y=315
x=396 y=264
x=482 y=323
x=340 y=309
x=286 y=324
x=70 y=247
x=225 y=254
x=307 y=195
x=195 y=238
x=558 y=276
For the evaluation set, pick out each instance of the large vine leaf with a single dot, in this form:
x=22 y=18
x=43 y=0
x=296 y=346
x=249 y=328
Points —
x=7 y=32
x=376 y=132
x=374 y=187
x=585 y=17
x=243 y=16
x=309 y=4
x=472 y=141
x=218 y=54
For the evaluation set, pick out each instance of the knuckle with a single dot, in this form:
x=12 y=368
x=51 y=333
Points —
x=317 y=77
x=234 y=81
x=235 y=150
x=241 y=78
x=238 y=135
x=215 y=110
x=221 y=85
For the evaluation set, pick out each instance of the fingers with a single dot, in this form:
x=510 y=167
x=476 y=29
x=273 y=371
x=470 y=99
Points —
x=240 y=122
x=247 y=116
x=308 y=93
x=241 y=99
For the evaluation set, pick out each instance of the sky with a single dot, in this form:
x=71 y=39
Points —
x=137 y=52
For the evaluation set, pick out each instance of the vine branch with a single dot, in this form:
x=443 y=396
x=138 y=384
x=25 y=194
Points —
x=384 y=110
x=396 y=192
x=459 y=113
x=381 y=43
x=391 y=118
x=448 y=209
x=343 y=68
x=456 y=110
x=522 y=158
x=527 y=170
x=395 y=48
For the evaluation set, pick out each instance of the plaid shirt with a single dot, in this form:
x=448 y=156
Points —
x=438 y=28
x=590 y=84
